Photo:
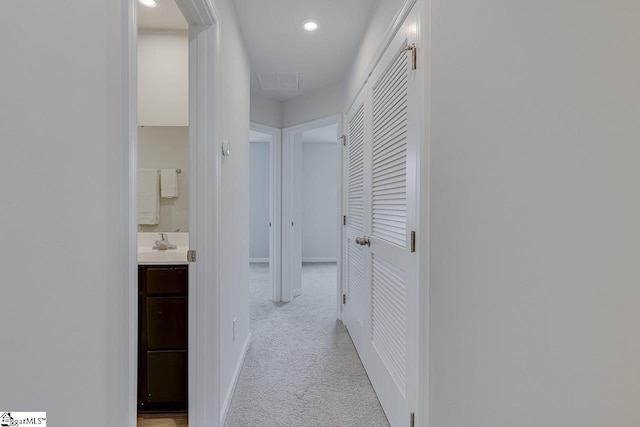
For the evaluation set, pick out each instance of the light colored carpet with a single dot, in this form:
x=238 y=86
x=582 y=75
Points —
x=301 y=368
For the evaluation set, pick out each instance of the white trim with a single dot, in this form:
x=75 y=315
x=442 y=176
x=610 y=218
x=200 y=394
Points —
x=341 y=212
x=275 y=207
x=320 y=142
x=129 y=237
x=323 y=121
x=423 y=89
x=259 y=260
x=204 y=117
x=386 y=41
x=234 y=381
x=205 y=137
x=320 y=259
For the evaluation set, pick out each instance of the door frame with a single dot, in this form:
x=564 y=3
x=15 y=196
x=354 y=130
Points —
x=288 y=238
x=275 y=206
x=204 y=131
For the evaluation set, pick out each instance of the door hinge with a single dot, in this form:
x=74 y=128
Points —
x=344 y=140
x=412 y=420
x=344 y=220
x=191 y=255
x=344 y=298
x=414 y=59
x=413 y=241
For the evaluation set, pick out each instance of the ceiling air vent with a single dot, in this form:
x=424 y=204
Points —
x=279 y=81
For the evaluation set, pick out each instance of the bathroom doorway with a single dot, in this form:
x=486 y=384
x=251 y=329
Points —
x=204 y=119
x=163 y=178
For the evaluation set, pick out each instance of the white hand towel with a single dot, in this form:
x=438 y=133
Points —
x=168 y=183
x=148 y=197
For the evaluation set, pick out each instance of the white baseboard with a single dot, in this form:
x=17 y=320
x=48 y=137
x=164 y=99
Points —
x=234 y=381
x=258 y=259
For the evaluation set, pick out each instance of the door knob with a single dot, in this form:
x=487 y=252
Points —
x=363 y=241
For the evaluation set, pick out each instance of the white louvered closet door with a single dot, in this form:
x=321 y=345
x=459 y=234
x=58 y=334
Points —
x=358 y=200
x=381 y=308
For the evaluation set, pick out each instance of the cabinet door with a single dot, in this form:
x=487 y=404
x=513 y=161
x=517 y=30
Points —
x=167 y=323
x=167 y=376
x=165 y=280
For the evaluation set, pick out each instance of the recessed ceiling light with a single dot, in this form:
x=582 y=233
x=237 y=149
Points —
x=148 y=3
x=310 y=25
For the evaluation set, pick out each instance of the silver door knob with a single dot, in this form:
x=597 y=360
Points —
x=363 y=241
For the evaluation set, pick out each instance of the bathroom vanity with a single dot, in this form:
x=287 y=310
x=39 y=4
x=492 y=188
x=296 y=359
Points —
x=163 y=284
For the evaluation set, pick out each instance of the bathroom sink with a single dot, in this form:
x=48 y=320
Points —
x=149 y=256
x=154 y=256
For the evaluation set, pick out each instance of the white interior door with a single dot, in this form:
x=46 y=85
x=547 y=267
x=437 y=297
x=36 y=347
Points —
x=380 y=310
x=272 y=137
x=292 y=215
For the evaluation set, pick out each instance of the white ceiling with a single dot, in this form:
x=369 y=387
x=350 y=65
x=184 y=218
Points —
x=277 y=43
x=165 y=16
x=278 y=46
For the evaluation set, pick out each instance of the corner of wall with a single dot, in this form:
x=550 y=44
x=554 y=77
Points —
x=265 y=111
x=323 y=102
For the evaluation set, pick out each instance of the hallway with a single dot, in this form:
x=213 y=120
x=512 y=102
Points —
x=301 y=368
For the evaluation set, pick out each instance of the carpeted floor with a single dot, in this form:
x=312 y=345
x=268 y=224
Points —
x=301 y=369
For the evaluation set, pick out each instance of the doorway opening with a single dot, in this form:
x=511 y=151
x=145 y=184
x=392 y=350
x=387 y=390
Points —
x=312 y=206
x=264 y=205
x=200 y=288
x=163 y=177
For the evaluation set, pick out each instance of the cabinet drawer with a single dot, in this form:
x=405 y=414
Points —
x=166 y=280
x=167 y=376
x=167 y=323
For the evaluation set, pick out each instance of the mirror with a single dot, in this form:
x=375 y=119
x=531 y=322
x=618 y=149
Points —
x=163 y=119
x=166 y=149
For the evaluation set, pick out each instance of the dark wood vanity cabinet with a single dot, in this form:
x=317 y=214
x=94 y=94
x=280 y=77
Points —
x=162 y=338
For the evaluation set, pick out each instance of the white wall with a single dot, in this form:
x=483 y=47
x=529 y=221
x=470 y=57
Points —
x=167 y=147
x=234 y=198
x=319 y=200
x=259 y=201
x=532 y=137
x=320 y=103
x=163 y=78
x=266 y=111
x=535 y=214
x=61 y=159
x=62 y=152
x=381 y=18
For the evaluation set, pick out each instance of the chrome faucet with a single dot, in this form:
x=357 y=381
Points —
x=163 y=244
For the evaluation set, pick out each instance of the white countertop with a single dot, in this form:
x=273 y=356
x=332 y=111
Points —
x=149 y=256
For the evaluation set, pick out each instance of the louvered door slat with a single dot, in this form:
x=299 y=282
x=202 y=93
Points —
x=390 y=98
x=388 y=318
x=393 y=78
x=356 y=170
